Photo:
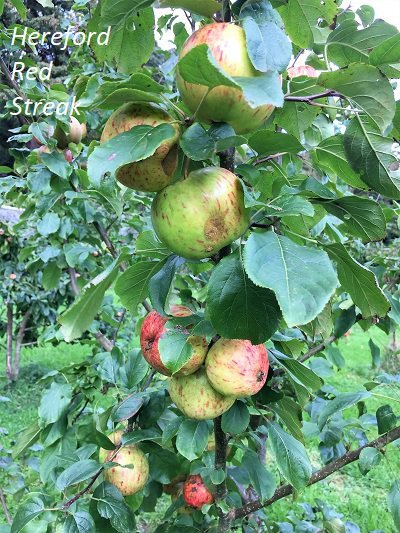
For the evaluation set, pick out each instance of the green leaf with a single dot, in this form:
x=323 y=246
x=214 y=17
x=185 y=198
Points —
x=370 y=153
x=369 y=457
x=375 y=354
x=267 y=143
x=26 y=513
x=393 y=503
x=267 y=44
x=299 y=373
x=347 y=44
x=76 y=473
x=192 y=437
x=367 y=89
x=148 y=245
x=160 y=284
x=111 y=505
x=302 y=278
x=205 y=8
x=301 y=19
x=236 y=420
x=135 y=145
x=132 y=286
x=54 y=402
x=26 y=438
x=386 y=418
x=261 y=479
x=330 y=155
x=131 y=41
x=295 y=118
x=199 y=67
x=342 y=401
x=49 y=224
x=51 y=276
x=20 y=7
x=291 y=456
x=141 y=435
x=291 y=414
x=78 y=318
x=134 y=369
x=175 y=350
x=363 y=218
x=79 y=522
x=387 y=52
x=128 y=407
x=199 y=144
x=236 y=307
x=77 y=253
x=289 y=205
x=359 y=282
x=366 y=14
x=57 y=164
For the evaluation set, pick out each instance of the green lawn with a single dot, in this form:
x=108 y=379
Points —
x=361 y=499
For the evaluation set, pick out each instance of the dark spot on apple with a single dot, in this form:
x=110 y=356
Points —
x=214 y=228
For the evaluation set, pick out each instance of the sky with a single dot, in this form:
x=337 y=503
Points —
x=388 y=10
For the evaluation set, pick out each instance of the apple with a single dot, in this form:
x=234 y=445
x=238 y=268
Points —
x=155 y=172
x=237 y=367
x=201 y=214
x=115 y=438
x=227 y=43
x=153 y=327
x=74 y=134
x=195 y=492
x=195 y=397
x=132 y=474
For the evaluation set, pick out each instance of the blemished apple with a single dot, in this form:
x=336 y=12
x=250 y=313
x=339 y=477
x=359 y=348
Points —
x=196 y=398
x=74 y=135
x=237 y=367
x=199 y=215
x=227 y=43
x=155 y=172
x=195 y=492
x=133 y=471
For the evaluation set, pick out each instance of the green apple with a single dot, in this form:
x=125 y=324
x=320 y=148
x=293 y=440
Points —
x=194 y=396
x=201 y=214
x=227 y=43
x=74 y=135
x=155 y=172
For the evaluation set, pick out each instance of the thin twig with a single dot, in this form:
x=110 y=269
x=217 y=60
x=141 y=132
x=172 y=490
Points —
x=310 y=98
x=5 y=507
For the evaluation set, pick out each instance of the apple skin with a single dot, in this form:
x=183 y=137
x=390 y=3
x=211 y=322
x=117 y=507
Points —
x=237 y=367
x=73 y=136
x=150 y=333
x=227 y=43
x=201 y=214
x=127 y=480
x=195 y=492
x=155 y=172
x=194 y=396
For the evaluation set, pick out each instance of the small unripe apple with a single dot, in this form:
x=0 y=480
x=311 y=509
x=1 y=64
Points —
x=74 y=134
x=155 y=172
x=194 y=396
x=201 y=214
x=153 y=327
x=68 y=156
x=195 y=492
x=227 y=43
x=237 y=367
x=132 y=474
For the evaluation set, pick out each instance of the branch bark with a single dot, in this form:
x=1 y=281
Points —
x=310 y=99
x=5 y=507
x=9 y=348
x=317 y=476
x=18 y=345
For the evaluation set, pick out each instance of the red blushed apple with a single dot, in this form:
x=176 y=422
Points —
x=195 y=492
x=237 y=367
x=153 y=327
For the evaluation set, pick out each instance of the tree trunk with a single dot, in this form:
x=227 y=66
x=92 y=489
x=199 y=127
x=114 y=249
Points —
x=9 y=348
x=18 y=345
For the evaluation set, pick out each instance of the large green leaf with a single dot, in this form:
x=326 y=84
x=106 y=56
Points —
x=237 y=308
x=387 y=52
x=267 y=44
x=200 y=67
x=175 y=349
x=370 y=153
x=236 y=419
x=135 y=145
x=291 y=456
x=78 y=318
x=301 y=19
x=330 y=155
x=291 y=414
x=132 y=286
x=302 y=278
x=200 y=144
x=25 y=438
x=148 y=245
x=359 y=282
x=206 y=8
x=261 y=478
x=160 y=284
x=298 y=372
x=111 y=505
x=192 y=437
x=367 y=89
x=49 y=224
x=347 y=44
x=342 y=401
x=54 y=402
x=79 y=522
x=76 y=473
x=362 y=217
x=26 y=513
x=266 y=143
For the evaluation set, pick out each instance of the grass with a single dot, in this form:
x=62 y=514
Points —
x=361 y=499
